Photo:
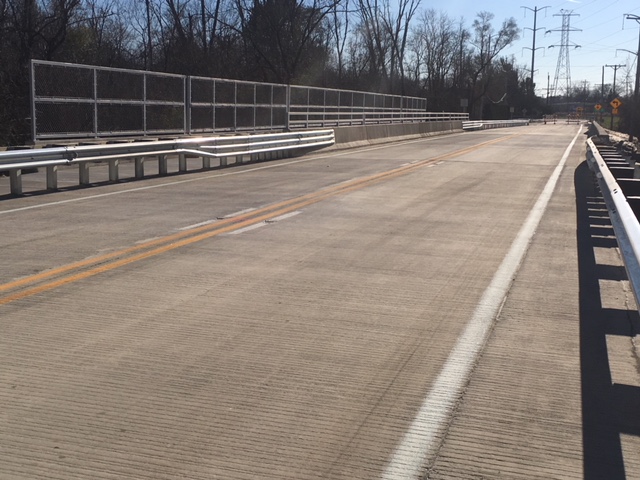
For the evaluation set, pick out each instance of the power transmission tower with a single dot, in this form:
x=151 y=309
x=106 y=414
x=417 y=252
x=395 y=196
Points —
x=533 y=47
x=563 y=68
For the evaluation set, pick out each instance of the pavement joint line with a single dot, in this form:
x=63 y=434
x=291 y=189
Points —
x=102 y=263
x=426 y=433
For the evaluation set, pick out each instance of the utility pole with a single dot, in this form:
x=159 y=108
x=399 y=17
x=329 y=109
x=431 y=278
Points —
x=632 y=53
x=548 y=86
x=636 y=106
x=533 y=48
x=613 y=90
x=563 y=68
x=615 y=71
x=602 y=94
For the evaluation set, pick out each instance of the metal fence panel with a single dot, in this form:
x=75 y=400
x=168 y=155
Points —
x=85 y=101
x=71 y=101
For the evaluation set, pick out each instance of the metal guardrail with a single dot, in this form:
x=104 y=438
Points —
x=256 y=147
x=624 y=220
x=348 y=116
x=486 y=124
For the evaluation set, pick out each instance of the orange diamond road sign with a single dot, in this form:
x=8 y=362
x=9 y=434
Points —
x=615 y=103
x=598 y=107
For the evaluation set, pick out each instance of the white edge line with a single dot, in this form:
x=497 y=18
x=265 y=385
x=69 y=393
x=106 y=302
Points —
x=425 y=433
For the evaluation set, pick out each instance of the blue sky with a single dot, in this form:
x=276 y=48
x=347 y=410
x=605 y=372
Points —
x=602 y=25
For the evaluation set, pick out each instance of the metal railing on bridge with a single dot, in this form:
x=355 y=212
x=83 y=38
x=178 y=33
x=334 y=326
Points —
x=487 y=124
x=237 y=147
x=82 y=101
x=617 y=176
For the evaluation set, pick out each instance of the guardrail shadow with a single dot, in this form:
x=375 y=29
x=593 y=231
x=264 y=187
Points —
x=608 y=409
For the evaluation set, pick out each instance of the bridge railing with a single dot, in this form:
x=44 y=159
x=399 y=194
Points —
x=75 y=101
x=82 y=101
x=615 y=176
x=487 y=124
x=237 y=147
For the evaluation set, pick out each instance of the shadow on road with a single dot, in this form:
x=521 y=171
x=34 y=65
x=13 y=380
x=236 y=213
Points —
x=608 y=409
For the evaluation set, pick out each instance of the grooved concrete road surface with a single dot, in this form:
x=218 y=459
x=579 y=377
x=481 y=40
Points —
x=452 y=307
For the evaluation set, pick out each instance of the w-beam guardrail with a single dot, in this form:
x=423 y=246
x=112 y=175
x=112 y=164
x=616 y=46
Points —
x=620 y=189
x=253 y=147
x=486 y=124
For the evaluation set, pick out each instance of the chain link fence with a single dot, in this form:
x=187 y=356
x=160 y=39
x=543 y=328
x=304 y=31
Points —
x=231 y=105
x=76 y=101
x=312 y=106
x=71 y=100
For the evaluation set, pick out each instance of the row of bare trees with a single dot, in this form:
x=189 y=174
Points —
x=390 y=46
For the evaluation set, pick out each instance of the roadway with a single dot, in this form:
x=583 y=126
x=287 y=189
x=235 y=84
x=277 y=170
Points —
x=451 y=307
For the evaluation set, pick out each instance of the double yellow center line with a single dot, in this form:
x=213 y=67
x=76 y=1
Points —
x=73 y=272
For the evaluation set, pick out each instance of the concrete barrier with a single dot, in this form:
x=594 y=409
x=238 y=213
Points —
x=357 y=136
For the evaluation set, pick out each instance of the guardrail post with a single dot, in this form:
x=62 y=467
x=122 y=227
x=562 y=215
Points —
x=287 y=119
x=162 y=165
x=32 y=80
x=182 y=163
x=139 y=167
x=206 y=163
x=15 y=181
x=306 y=125
x=187 y=104
x=113 y=170
x=223 y=161
x=95 y=103
x=144 y=103
x=52 y=177
x=235 y=106
x=83 y=173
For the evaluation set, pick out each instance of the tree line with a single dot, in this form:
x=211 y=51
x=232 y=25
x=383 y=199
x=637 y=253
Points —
x=386 y=46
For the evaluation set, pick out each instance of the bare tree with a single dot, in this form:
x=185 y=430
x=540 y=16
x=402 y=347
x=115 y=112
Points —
x=339 y=33
x=386 y=30
x=282 y=33
x=397 y=27
x=487 y=44
x=435 y=46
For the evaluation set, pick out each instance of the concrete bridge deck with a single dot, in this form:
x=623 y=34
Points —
x=451 y=307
